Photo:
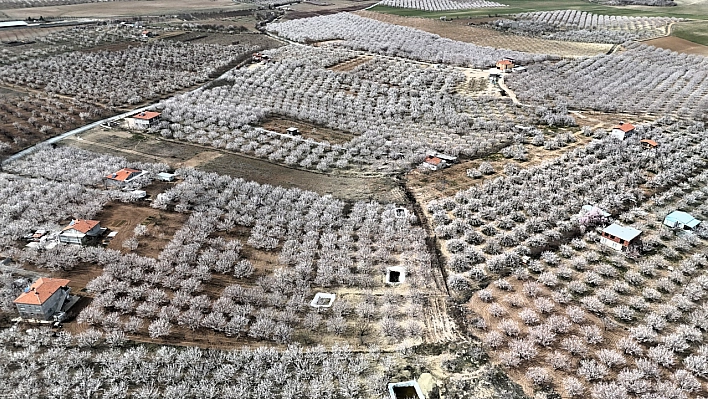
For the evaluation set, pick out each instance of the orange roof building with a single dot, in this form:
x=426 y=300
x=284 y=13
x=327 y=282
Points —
x=79 y=231
x=649 y=143
x=143 y=120
x=43 y=298
x=622 y=130
x=124 y=175
x=434 y=163
x=505 y=65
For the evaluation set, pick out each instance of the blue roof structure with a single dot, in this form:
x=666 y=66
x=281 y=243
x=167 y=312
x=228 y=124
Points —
x=682 y=217
x=625 y=233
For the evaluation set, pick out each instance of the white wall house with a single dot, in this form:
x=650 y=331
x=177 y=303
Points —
x=618 y=237
x=43 y=298
x=622 y=131
x=80 y=231
x=143 y=120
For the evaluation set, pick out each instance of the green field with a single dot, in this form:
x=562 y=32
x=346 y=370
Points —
x=694 y=11
x=694 y=31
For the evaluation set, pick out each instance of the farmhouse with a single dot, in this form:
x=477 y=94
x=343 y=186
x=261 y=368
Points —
x=43 y=299
x=618 y=237
x=123 y=176
x=622 y=131
x=681 y=220
x=505 y=65
x=433 y=163
x=648 y=143
x=80 y=231
x=143 y=120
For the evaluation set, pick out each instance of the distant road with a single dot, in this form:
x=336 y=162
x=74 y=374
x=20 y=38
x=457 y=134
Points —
x=81 y=129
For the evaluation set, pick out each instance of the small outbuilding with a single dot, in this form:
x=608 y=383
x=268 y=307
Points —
x=168 y=177
x=143 y=120
x=618 y=237
x=80 y=231
x=622 y=131
x=293 y=131
x=43 y=298
x=681 y=220
x=123 y=176
x=648 y=143
x=505 y=65
x=433 y=163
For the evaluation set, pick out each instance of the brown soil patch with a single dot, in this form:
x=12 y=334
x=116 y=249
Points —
x=308 y=130
x=679 y=45
x=351 y=64
x=460 y=29
x=201 y=158
x=123 y=218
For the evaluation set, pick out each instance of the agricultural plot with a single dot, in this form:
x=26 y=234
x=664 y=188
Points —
x=659 y=83
x=5 y=4
x=39 y=44
x=26 y=119
x=586 y=20
x=128 y=76
x=359 y=33
x=246 y=263
x=460 y=30
x=440 y=5
x=397 y=112
x=577 y=317
x=110 y=369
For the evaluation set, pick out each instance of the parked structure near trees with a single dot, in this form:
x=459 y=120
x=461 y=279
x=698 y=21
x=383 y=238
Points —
x=43 y=298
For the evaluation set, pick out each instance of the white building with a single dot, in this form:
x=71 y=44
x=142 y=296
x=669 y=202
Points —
x=43 y=299
x=622 y=131
x=618 y=237
x=143 y=120
x=80 y=231
x=681 y=220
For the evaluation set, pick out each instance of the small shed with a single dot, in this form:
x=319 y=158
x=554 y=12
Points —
x=622 y=131
x=293 y=131
x=681 y=220
x=164 y=176
x=143 y=120
x=80 y=231
x=648 y=143
x=619 y=237
x=43 y=298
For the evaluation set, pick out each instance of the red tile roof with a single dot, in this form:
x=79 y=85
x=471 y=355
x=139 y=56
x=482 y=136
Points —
x=433 y=160
x=122 y=174
x=649 y=141
x=41 y=290
x=625 y=127
x=147 y=115
x=82 y=225
x=505 y=62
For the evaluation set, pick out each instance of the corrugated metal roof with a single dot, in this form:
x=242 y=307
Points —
x=683 y=218
x=12 y=24
x=623 y=232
